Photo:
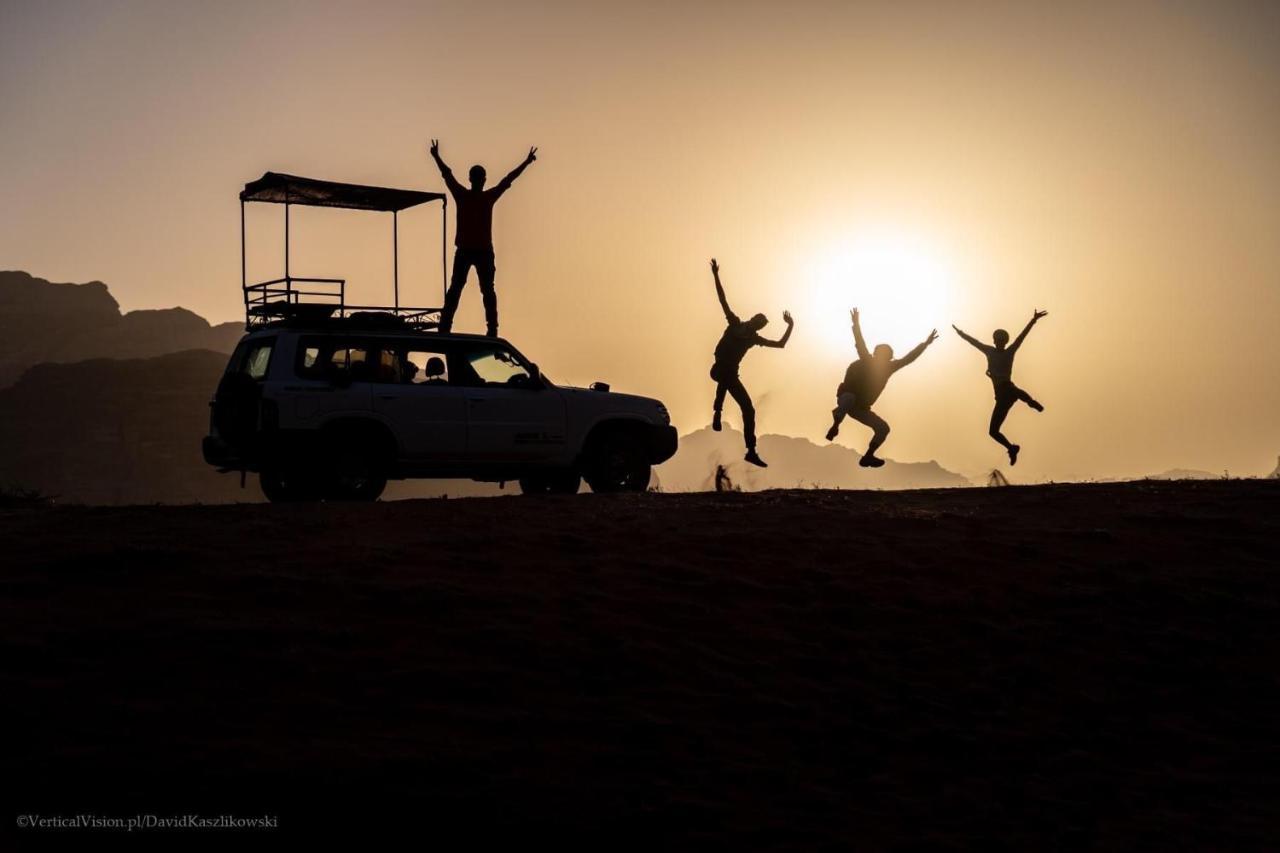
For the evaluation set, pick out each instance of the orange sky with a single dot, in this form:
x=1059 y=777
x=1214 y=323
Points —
x=1116 y=166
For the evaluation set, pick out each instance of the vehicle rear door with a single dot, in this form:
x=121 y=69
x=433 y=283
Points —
x=331 y=378
x=413 y=394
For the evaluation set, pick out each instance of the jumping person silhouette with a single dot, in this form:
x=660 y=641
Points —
x=740 y=336
x=863 y=382
x=473 y=237
x=1000 y=369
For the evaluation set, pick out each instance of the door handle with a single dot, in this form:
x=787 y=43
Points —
x=475 y=401
x=386 y=396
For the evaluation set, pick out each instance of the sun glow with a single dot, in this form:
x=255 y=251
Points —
x=900 y=284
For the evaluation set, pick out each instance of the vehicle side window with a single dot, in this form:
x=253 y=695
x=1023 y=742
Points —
x=257 y=359
x=424 y=367
x=494 y=365
x=322 y=358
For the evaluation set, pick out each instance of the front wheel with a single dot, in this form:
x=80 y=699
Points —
x=617 y=463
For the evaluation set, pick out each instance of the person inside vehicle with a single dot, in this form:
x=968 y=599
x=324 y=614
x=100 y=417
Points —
x=435 y=372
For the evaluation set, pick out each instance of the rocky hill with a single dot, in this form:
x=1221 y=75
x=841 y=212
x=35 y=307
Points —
x=43 y=321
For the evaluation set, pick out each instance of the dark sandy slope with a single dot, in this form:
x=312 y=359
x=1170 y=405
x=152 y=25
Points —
x=1047 y=667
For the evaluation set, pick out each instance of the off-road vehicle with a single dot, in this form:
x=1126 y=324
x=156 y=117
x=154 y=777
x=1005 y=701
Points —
x=328 y=401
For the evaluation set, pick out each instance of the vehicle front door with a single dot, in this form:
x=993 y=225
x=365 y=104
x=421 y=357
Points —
x=511 y=415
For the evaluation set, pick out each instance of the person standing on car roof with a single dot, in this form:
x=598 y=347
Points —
x=473 y=236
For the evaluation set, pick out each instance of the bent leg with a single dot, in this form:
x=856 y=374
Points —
x=1028 y=399
x=879 y=428
x=461 y=266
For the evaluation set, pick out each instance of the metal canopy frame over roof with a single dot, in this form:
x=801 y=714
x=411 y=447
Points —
x=266 y=299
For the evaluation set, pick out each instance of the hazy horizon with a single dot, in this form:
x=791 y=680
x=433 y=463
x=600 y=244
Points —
x=927 y=163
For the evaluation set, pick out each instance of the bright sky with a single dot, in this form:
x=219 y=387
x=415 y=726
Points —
x=931 y=163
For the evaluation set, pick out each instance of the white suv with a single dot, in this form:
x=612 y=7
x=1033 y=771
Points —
x=333 y=409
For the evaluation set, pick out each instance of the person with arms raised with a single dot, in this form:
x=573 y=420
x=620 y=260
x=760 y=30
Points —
x=864 y=381
x=739 y=337
x=1000 y=369
x=473 y=236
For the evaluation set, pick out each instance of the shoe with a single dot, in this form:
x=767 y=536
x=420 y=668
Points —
x=715 y=422
x=754 y=459
x=832 y=433
x=1036 y=405
x=869 y=461
x=1013 y=454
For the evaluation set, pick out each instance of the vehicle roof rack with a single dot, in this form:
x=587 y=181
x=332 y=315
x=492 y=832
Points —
x=297 y=299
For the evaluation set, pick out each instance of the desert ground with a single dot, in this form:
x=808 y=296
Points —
x=1045 y=667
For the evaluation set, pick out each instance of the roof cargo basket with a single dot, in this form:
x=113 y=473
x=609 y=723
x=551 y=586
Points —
x=295 y=299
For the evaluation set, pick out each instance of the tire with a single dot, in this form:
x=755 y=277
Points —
x=551 y=483
x=617 y=462
x=281 y=486
x=354 y=476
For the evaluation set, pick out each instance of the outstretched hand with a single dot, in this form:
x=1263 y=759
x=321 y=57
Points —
x=715 y=267
x=853 y=315
x=533 y=155
x=933 y=336
x=435 y=148
x=786 y=316
x=1038 y=314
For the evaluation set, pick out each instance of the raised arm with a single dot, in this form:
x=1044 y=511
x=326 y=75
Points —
x=1017 y=342
x=724 y=303
x=859 y=344
x=782 y=341
x=505 y=184
x=971 y=340
x=900 y=363
x=449 y=180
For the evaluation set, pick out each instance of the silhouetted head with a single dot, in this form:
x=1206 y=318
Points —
x=758 y=322
x=477 y=174
x=1001 y=337
x=882 y=352
x=435 y=367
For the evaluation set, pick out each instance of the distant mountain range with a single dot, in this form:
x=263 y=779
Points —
x=42 y=322
x=109 y=408
x=793 y=463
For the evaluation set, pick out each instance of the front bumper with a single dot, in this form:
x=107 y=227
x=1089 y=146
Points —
x=662 y=444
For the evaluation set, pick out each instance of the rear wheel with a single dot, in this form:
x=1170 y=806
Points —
x=617 y=462
x=354 y=476
x=551 y=483
x=284 y=486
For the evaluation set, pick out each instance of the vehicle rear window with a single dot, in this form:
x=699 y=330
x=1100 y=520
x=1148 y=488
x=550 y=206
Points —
x=257 y=358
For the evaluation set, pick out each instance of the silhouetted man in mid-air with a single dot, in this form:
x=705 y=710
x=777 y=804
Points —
x=738 y=337
x=473 y=236
x=863 y=382
x=1000 y=369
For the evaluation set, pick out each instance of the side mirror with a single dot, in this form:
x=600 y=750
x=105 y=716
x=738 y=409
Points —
x=535 y=375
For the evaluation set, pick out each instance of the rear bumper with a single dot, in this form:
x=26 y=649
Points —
x=662 y=444
x=219 y=454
